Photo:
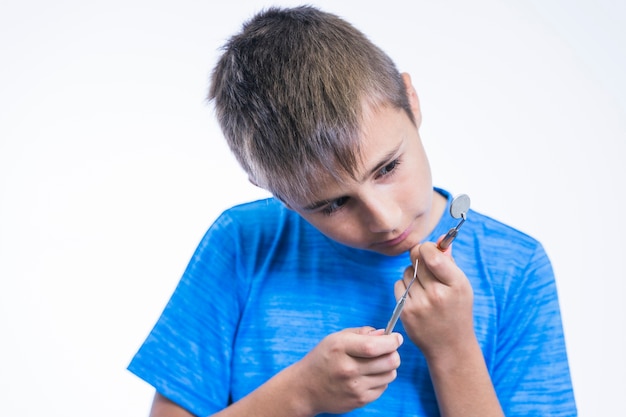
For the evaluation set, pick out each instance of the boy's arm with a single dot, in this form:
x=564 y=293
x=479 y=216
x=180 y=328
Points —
x=438 y=318
x=463 y=384
x=346 y=370
x=163 y=407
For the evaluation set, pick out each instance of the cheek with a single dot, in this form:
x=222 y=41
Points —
x=342 y=229
x=413 y=199
x=417 y=182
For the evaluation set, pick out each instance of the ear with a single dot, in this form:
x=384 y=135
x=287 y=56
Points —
x=413 y=99
x=252 y=181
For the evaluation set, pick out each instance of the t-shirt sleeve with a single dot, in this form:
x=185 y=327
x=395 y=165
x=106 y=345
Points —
x=531 y=375
x=187 y=355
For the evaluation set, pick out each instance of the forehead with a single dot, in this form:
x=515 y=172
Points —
x=383 y=137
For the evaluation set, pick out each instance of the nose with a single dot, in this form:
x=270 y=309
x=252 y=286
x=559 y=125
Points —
x=381 y=214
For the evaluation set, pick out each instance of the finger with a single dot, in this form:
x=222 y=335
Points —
x=371 y=346
x=424 y=275
x=362 y=330
x=436 y=265
x=410 y=272
x=379 y=365
x=447 y=248
x=381 y=380
x=371 y=387
x=401 y=285
x=416 y=276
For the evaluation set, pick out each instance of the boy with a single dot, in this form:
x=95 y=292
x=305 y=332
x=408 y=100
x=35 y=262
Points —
x=277 y=310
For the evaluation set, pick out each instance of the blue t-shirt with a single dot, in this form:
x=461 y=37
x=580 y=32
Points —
x=264 y=287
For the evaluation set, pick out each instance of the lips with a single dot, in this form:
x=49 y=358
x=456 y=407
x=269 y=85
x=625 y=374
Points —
x=396 y=240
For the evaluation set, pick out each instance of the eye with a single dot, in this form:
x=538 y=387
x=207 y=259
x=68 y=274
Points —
x=334 y=205
x=389 y=168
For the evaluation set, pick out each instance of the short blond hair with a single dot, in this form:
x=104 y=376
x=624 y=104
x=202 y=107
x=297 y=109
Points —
x=290 y=91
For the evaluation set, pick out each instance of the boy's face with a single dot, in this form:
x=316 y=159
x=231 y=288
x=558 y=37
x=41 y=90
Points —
x=389 y=208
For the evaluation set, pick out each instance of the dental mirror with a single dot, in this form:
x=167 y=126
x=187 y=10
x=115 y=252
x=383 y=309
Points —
x=458 y=210
x=459 y=206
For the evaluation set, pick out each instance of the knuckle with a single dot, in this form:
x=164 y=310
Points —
x=439 y=299
x=362 y=399
x=395 y=361
x=436 y=261
x=439 y=294
x=347 y=371
x=369 y=348
x=393 y=375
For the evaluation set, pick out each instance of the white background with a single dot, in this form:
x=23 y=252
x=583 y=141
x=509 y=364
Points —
x=112 y=167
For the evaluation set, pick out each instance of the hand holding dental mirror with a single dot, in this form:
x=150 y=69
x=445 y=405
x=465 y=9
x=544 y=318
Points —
x=458 y=210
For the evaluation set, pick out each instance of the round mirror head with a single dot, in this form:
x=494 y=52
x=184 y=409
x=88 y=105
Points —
x=460 y=204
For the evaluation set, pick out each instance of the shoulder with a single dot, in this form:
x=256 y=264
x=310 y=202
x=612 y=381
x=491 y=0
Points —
x=500 y=237
x=255 y=216
x=503 y=252
x=485 y=231
x=505 y=256
x=259 y=224
x=264 y=208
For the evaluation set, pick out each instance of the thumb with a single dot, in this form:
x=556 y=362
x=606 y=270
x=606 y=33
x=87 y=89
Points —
x=445 y=245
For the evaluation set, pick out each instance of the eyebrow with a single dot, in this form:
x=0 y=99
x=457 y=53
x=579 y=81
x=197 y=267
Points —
x=383 y=161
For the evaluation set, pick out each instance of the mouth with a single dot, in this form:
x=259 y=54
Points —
x=395 y=241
